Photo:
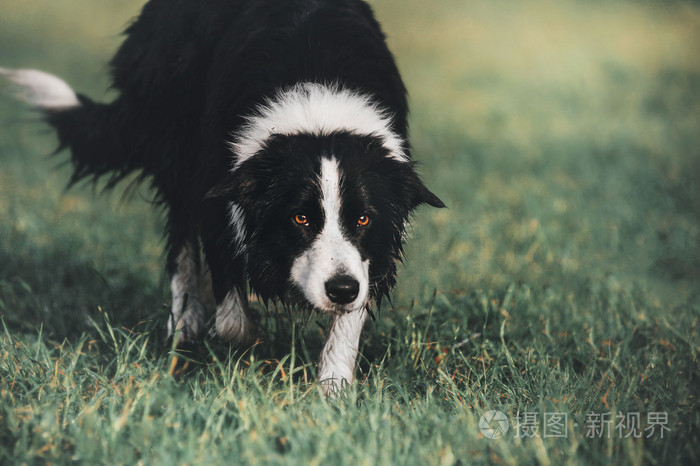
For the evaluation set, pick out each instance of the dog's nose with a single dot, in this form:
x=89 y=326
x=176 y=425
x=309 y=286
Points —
x=342 y=289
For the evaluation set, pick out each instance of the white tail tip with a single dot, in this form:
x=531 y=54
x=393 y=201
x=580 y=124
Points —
x=42 y=90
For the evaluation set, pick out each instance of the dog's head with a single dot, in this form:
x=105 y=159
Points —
x=321 y=217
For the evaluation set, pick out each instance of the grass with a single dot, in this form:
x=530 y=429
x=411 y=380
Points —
x=563 y=277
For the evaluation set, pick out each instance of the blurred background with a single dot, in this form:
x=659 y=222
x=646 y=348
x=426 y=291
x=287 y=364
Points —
x=564 y=136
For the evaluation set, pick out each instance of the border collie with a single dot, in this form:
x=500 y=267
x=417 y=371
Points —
x=275 y=135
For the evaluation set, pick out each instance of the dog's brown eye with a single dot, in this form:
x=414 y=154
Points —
x=301 y=219
x=363 y=221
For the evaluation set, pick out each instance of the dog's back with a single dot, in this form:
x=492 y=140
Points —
x=189 y=71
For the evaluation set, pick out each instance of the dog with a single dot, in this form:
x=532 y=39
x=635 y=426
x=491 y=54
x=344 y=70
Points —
x=275 y=135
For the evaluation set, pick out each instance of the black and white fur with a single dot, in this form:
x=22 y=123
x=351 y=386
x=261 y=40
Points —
x=275 y=135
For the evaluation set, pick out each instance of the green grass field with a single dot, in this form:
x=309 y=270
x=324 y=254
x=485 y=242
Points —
x=563 y=280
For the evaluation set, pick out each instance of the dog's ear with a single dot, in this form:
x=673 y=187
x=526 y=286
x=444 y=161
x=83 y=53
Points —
x=424 y=196
x=402 y=183
x=223 y=189
x=420 y=194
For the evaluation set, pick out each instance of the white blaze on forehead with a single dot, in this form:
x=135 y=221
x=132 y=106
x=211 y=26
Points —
x=331 y=253
x=330 y=196
x=316 y=109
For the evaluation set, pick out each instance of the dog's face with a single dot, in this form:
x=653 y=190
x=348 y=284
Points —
x=321 y=219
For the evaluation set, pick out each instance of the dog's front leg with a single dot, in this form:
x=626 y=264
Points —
x=337 y=364
x=187 y=314
x=233 y=320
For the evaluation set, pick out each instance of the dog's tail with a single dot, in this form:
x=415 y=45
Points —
x=92 y=131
